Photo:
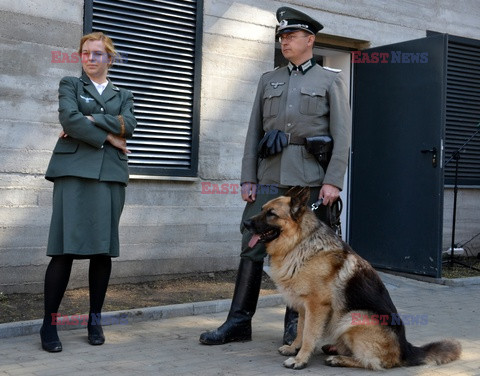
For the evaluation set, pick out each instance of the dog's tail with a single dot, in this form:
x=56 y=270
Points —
x=440 y=352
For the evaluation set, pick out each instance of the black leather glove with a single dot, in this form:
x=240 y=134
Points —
x=272 y=143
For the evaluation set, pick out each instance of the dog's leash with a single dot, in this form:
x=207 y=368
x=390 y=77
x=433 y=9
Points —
x=333 y=213
x=317 y=204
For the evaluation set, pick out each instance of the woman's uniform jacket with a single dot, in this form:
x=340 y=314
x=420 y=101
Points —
x=85 y=153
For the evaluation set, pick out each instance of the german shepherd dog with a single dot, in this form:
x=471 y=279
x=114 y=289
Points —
x=329 y=285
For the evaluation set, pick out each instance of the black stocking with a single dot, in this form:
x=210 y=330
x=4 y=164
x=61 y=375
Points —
x=98 y=277
x=56 y=281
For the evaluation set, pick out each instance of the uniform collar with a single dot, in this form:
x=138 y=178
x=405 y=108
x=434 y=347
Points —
x=86 y=80
x=110 y=91
x=303 y=68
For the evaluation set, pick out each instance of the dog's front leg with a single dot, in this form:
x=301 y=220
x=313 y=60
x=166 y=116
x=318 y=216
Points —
x=289 y=350
x=314 y=321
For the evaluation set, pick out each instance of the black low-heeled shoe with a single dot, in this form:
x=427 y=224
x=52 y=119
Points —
x=95 y=335
x=49 y=346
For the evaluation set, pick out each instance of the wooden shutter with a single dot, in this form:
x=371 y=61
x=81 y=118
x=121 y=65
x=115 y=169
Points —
x=160 y=42
x=463 y=109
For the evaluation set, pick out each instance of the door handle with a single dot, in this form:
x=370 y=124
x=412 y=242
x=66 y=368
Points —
x=434 y=152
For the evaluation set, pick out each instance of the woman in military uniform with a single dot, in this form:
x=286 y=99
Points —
x=89 y=171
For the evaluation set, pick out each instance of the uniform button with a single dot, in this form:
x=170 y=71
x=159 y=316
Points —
x=102 y=109
x=290 y=105
x=289 y=124
x=313 y=93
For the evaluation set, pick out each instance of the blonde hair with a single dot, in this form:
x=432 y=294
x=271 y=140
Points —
x=107 y=42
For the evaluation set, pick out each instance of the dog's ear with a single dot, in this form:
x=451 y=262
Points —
x=299 y=198
x=297 y=191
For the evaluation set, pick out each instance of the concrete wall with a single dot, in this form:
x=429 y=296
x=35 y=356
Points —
x=168 y=226
x=29 y=31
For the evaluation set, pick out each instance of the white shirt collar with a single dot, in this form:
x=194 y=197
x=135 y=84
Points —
x=100 y=87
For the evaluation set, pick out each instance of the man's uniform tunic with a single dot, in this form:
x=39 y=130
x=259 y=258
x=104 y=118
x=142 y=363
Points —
x=308 y=101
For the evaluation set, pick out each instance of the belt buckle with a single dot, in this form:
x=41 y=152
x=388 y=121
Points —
x=288 y=137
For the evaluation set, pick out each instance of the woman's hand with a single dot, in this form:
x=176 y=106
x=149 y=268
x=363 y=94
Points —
x=118 y=142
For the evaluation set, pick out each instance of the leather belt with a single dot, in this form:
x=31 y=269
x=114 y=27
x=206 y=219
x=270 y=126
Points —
x=295 y=140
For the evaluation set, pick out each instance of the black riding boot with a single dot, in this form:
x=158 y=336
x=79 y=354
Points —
x=238 y=326
x=290 y=326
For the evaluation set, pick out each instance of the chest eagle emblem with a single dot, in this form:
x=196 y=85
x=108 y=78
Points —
x=86 y=99
x=277 y=84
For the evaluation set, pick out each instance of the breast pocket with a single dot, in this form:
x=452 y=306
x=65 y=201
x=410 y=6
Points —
x=313 y=101
x=271 y=102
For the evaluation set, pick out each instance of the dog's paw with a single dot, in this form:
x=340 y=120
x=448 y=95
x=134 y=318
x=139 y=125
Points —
x=332 y=361
x=294 y=364
x=288 y=350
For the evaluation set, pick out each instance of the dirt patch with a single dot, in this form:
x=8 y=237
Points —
x=462 y=271
x=165 y=291
x=174 y=290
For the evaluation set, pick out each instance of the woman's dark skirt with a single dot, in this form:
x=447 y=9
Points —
x=85 y=218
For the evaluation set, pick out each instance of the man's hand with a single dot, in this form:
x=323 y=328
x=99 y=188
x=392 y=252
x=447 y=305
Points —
x=329 y=193
x=118 y=142
x=249 y=192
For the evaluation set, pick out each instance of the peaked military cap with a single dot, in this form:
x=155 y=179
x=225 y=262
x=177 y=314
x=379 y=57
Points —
x=293 y=20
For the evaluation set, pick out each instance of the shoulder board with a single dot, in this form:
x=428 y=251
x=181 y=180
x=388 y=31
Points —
x=274 y=69
x=332 y=69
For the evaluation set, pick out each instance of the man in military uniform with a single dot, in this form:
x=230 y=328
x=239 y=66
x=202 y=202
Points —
x=292 y=104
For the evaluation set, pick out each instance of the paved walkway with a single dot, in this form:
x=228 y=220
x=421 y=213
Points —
x=170 y=346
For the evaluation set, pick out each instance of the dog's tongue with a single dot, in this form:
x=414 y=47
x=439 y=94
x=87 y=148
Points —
x=253 y=240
